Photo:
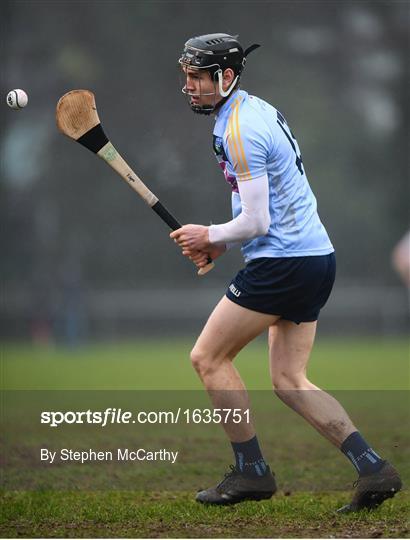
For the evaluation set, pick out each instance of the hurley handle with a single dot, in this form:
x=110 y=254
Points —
x=174 y=224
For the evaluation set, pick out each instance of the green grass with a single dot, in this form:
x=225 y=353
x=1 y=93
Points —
x=152 y=364
x=371 y=378
x=170 y=515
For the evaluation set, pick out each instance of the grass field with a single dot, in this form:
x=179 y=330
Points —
x=154 y=364
x=313 y=478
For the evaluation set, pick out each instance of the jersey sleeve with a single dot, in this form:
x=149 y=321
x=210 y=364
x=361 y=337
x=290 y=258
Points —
x=248 y=145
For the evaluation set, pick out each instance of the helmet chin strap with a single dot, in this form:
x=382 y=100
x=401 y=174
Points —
x=222 y=92
x=209 y=109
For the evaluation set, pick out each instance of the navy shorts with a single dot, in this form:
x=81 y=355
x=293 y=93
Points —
x=296 y=288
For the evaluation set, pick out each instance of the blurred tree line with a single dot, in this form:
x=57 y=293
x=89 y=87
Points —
x=338 y=71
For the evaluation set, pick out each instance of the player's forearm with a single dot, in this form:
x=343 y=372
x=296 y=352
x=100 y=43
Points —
x=239 y=229
x=253 y=221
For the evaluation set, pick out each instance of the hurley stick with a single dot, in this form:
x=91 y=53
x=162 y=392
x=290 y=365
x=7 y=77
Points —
x=77 y=118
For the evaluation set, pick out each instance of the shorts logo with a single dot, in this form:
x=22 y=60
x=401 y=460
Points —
x=234 y=290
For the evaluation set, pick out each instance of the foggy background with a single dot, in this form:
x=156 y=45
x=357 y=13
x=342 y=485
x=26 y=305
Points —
x=83 y=257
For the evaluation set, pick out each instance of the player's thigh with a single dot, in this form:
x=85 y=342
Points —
x=290 y=345
x=229 y=328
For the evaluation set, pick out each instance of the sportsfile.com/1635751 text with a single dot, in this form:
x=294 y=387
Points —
x=112 y=416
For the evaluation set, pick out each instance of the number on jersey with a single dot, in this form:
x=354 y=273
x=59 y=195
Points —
x=291 y=138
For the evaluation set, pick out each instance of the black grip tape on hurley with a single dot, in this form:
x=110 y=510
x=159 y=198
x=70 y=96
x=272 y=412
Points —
x=94 y=139
x=169 y=219
x=166 y=216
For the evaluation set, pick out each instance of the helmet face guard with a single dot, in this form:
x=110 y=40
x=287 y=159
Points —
x=214 y=53
x=217 y=77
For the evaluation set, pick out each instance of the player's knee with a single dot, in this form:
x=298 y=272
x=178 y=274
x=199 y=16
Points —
x=201 y=361
x=204 y=362
x=285 y=379
x=197 y=358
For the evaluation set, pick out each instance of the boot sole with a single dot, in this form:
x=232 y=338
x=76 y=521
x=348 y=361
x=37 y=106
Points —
x=246 y=497
x=372 y=499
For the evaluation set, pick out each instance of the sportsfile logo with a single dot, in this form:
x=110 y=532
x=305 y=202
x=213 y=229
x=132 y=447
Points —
x=111 y=415
x=236 y=292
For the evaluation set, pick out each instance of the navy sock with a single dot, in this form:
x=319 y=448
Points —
x=249 y=459
x=361 y=455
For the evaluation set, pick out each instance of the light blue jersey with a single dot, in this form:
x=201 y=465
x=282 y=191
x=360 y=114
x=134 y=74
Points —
x=251 y=138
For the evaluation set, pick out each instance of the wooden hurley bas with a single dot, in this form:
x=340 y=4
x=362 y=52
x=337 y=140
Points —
x=77 y=117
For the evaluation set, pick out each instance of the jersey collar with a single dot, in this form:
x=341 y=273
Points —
x=227 y=105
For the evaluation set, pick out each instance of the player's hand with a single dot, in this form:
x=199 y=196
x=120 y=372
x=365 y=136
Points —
x=192 y=237
x=216 y=250
x=201 y=258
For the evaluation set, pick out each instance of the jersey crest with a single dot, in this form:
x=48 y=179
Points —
x=223 y=160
